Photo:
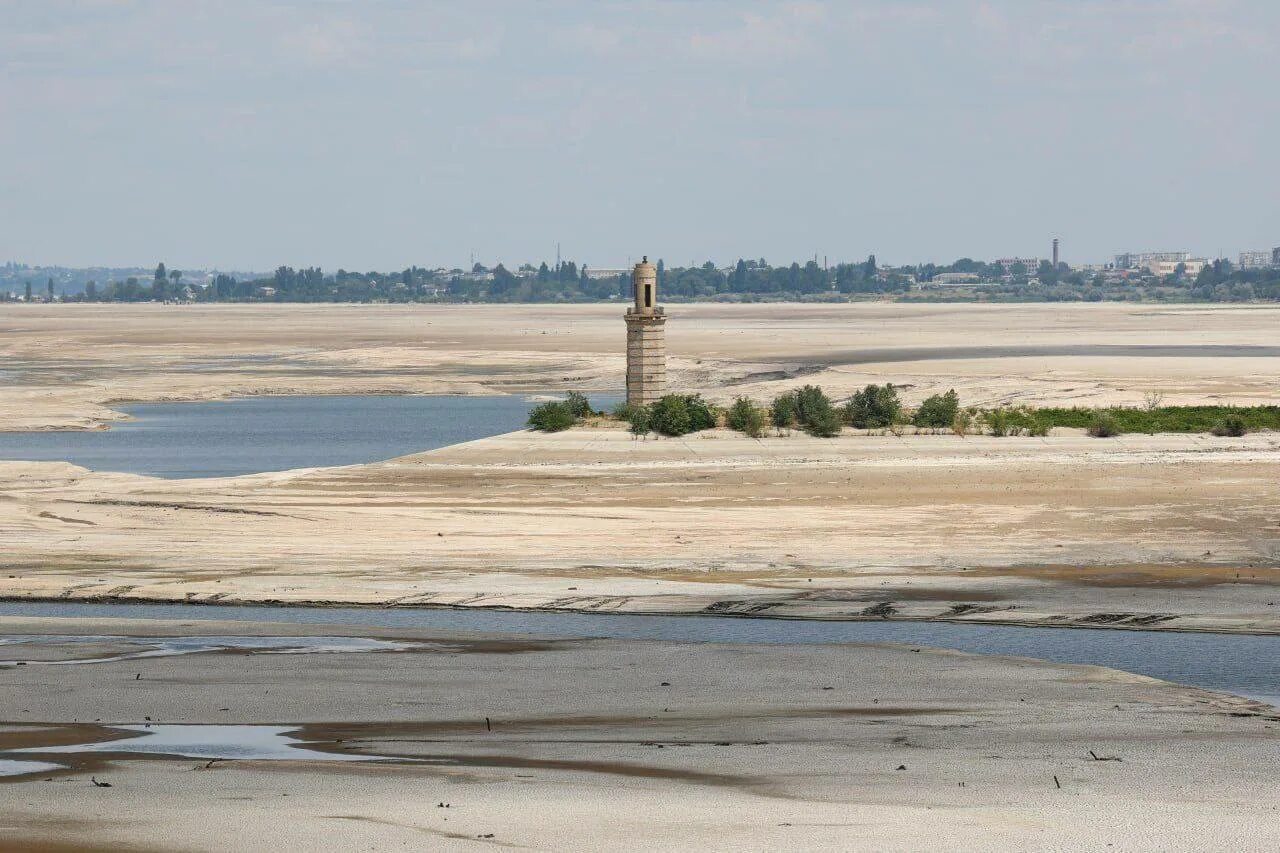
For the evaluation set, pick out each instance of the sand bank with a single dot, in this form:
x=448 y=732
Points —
x=1172 y=532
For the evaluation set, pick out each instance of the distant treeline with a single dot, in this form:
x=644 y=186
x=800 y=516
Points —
x=747 y=280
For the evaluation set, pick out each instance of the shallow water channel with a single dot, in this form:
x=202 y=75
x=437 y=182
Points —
x=1245 y=665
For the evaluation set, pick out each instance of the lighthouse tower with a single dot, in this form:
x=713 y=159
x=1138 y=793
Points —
x=646 y=339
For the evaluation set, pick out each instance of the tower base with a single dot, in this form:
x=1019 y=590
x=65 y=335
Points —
x=646 y=357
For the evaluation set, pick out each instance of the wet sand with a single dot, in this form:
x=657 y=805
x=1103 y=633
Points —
x=638 y=745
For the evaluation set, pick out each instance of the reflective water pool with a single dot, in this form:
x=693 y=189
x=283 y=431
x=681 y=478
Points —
x=224 y=438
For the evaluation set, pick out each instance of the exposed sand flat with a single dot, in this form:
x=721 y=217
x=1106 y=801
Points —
x=1167 y=531
x=639 y=745
x=67 y=362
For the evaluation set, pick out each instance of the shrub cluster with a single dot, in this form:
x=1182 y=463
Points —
x=551 y=417
x=808 y=408
x=578 y=405
x=1103 y=425
x=560 y=414
x=674 y=414
x=938 y=411
x=782 y=411
x=874 y=407
x=878 y=407
x=1232 y=425
x=746 y=417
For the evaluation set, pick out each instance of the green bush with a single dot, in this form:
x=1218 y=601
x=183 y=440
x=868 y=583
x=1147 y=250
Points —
x=874 y=407
x=997 y=420
x=746 y=417
x=815 y=414
x=782 y=412
x=1103 y=425
x=623 y=411
x=678 y=414
x=669 y=416
x=1232 y=425
x=962 y=422
x=578 y=405
x=638 y=420
x=702 y=415
x=938 y=411
x=824 y=423
x=551 y=417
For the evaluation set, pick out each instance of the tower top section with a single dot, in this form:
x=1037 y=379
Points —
x=644 y=285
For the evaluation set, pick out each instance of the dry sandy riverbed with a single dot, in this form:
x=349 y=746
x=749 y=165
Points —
x=1153 y=532
x=635 y=745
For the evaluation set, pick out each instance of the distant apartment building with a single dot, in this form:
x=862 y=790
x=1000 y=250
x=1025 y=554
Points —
x=1191 y=267
x=1149 y=260
x=604 y=272
x=1031 y=264
x=1256 y=260
x=955 y=278
x=1275 y=257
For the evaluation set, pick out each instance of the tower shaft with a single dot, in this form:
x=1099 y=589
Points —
x=646 y=339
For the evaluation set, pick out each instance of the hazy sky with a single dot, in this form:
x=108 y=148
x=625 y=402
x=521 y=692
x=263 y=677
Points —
x=373 y=135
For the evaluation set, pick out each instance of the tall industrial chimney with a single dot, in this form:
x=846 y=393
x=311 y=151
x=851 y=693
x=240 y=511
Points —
x=1055 y=253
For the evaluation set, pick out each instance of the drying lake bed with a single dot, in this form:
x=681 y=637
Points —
x=465 y=738
x=871 y=648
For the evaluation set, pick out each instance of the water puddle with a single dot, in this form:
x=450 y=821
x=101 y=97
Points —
x=13 y=767
x=222 y=742
x=315 y=742
x=135 y=648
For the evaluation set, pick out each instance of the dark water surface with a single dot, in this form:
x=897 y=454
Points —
x=225 y=438
x=1241 y=664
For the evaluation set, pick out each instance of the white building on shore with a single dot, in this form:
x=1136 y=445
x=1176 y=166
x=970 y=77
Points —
x=1149 y=260
x=1256 y=260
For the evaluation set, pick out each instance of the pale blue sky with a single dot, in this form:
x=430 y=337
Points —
x=373 y=135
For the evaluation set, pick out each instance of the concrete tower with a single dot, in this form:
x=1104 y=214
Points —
x=1055 y=253
x=646 y=339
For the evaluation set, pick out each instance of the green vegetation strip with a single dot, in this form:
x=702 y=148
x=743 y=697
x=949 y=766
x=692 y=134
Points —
x=877 y=407
x=1164 y=418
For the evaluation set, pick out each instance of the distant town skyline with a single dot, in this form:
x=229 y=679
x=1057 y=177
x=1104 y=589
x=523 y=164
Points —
x=245 y=135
